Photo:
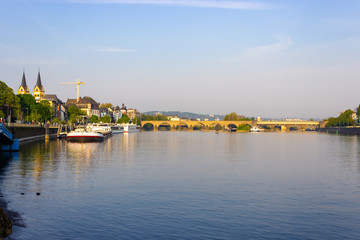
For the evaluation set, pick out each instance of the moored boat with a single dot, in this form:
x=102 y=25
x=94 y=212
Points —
x=81 y=135
x=129 y=128
x=102 y=128
x=117 y=129
x=256 y=129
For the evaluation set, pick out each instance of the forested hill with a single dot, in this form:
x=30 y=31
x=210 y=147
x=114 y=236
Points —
x=186 y=115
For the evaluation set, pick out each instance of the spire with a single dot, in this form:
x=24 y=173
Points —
x=23 y=89
x=38 y=82
x=23 y=82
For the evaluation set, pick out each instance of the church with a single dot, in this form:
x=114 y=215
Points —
x=39 y=94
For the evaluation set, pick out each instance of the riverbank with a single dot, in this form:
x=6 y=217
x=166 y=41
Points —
x=353 y=130
x=28 y=131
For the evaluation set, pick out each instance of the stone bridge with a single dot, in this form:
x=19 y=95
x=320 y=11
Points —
x=189 y=124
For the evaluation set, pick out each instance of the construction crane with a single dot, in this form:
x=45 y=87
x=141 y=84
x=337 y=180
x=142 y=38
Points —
x=78 y=83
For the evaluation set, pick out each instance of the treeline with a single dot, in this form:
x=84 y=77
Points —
x=23 y=107
x=157 y=117
x=347 y=118
x=235 y=117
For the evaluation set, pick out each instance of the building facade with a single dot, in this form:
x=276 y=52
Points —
x=86 y=104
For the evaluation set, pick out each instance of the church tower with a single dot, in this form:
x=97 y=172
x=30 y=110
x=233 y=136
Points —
x=39 y=91
x=23 y=89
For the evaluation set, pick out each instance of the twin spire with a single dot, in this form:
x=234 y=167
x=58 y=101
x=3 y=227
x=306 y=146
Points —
x=38 y=92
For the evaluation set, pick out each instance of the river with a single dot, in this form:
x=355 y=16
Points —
x=187 y=185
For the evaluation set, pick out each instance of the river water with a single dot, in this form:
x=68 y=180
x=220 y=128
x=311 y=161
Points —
x=188 y=185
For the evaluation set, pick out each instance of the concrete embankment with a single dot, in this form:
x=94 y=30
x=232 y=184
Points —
x=25 y=132
x=342 y=130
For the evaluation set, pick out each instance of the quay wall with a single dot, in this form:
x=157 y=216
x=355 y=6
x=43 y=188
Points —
x=21 y=131
x=341 y=130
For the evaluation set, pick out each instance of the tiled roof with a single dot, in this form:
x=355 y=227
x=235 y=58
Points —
x=52 y=97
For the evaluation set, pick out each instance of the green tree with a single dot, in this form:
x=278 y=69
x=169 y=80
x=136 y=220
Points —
x=145 y=117
x=27 y=105
x=106 y=105
x=9 y=102
x=137 y=121
x=75 y=113
x=160 y=117
x=44 y=110
x=105 y=119
x=55 y=120
x=231 y=117
x=358 y=114
x=244 y=127
x=124 y=119
x=345 y=119
x=94 y=119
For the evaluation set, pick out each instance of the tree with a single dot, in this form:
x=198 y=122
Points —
x=358 y=114
x=74 y=113
x=27 y=105
x=231 y=117
x=137 y=121
x=106 y=105
x=345 y=119
x=9 y=102
x=55 y=120
x=124 y=119
x=145 y=117
x=94 y=119
x=244 y=127
x=44 y=110
x=105 y=119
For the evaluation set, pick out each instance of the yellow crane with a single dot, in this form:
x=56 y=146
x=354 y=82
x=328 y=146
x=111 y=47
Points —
x=78 y=83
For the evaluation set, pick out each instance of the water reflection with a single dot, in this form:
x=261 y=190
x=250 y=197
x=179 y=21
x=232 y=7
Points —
x=5 y=158
x=212 y=185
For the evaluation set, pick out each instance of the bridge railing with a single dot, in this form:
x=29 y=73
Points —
x=5 y=131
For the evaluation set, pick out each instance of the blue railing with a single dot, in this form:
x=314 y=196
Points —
x=5 y=131
x=7 y=143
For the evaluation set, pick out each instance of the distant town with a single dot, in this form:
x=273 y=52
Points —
x=40 y=107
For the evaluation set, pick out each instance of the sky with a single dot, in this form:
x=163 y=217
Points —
x=272 y=59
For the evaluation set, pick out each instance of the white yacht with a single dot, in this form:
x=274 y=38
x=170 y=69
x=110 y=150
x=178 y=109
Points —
x=82 y=135
x=129 y=127
x=116 y=129
x=103 y=128
x=256 y=129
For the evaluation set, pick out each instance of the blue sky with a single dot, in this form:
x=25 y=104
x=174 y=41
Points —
x=275 y=59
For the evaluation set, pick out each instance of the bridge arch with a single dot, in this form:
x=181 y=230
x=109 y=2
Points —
x=182 y=126
x=148 y=126
x=199 y=126
x=164 y=126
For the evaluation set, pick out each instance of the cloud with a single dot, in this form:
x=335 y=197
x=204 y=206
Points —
x=116 y=50
x=283 y=43
x=226 y=4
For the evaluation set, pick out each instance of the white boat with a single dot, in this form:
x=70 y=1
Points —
x=129 y=127
x=116 y=129
x=256 y=129
x=103 y=128
x=81 y=135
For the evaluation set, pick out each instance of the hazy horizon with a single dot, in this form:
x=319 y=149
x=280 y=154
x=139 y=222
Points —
x=272 y=59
